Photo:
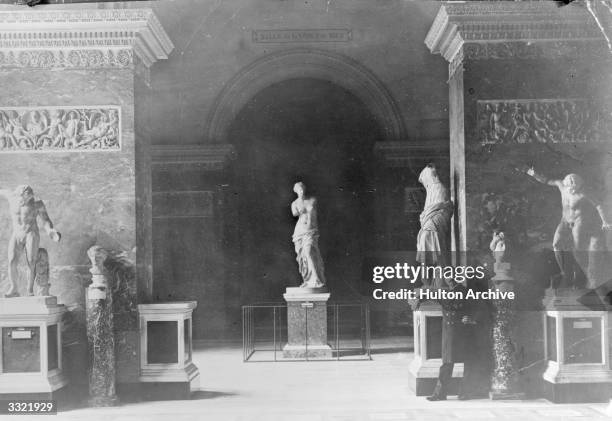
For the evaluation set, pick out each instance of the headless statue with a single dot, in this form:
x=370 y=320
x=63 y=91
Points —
x=432 y=247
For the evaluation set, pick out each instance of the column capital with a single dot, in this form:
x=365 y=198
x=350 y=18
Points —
x=76 y=37
x=512 y=30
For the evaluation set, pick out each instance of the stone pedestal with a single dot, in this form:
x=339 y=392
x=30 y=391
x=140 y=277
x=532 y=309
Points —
x=504 y=381
x=100 y=336
x=166 y=367
x=424 y=369
x=576 y=347
x=30 y=348
x=307 y=323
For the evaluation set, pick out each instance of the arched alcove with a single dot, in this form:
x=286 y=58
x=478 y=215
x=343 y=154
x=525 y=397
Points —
x=307 y=130
x=304 y=63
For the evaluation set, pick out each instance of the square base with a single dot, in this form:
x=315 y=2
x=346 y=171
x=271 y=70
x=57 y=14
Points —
x=313 y=351
x=577 y=392
x=501 y=396
x=164 y=391
x=59 y=395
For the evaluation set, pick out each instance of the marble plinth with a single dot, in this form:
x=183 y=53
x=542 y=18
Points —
x=101 y=349
x=505 y=377
x=425 y=366
x=166 y=367
x=307 y=323
x=576 y=347
x=31 y=347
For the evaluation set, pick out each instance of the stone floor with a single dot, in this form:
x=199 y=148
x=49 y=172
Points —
x=231 y=390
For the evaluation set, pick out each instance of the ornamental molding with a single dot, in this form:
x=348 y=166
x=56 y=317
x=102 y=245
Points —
x=408 y=153
x=83 y=38
x=211 y=157
x=499 y=29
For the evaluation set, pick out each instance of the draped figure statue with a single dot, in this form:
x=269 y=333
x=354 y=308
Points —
x=432 y=247
x=306 y=238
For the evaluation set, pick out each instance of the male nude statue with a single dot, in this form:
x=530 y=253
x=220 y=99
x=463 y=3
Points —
x=25 y=209
x=580 y=229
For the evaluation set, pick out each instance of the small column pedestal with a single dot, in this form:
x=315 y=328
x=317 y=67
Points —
x=100 y=334
x=31 y=348
x=166 y=367
x=504 y=381
x=307 y=323
x=425 y=366
x=576 y=347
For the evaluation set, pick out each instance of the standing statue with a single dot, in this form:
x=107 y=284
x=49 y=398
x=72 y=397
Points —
x=432 y=247
x=25 y=210
x=306 y=238
x=580 y=230
x=498 y=246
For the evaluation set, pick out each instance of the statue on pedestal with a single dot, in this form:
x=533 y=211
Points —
x=306 y=238
x=432 y=247
x=504 y=379
x=25 y=210
x=580 y=230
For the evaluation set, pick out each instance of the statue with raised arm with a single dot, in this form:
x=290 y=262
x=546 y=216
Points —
x=25 y=211
x=580 y=230
x=306 y=238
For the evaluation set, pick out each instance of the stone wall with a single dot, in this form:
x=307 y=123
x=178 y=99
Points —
x=90 y=194
x=223 y=60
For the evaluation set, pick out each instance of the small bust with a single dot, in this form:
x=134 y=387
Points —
x=97 y=255
x=498 y=246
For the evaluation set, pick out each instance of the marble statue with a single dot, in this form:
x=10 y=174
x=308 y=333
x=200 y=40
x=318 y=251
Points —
x=306 y=238
x=25 y=210
x=435 y=220
x=498 y=246
x=580 y=230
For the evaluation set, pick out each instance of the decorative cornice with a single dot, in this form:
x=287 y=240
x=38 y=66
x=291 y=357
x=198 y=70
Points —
x=405 y=153
x=49 y=37
x=212 y=157
x=503 y=29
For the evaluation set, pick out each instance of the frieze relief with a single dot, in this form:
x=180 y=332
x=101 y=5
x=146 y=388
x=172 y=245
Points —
x=542 y=121
x=42 y=129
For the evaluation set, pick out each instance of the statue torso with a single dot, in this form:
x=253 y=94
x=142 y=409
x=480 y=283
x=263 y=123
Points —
x=307 y=215
x=24 y=216
x=574 y=205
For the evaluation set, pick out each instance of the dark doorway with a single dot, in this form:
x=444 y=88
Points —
x=313 y=131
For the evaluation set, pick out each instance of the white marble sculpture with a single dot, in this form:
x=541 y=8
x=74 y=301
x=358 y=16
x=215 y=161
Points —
x=25 y=211
x=432 y=244
x=306 y=238
x=580 y=233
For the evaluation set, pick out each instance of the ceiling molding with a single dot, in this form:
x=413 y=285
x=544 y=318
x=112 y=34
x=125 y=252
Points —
x=81 y=38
